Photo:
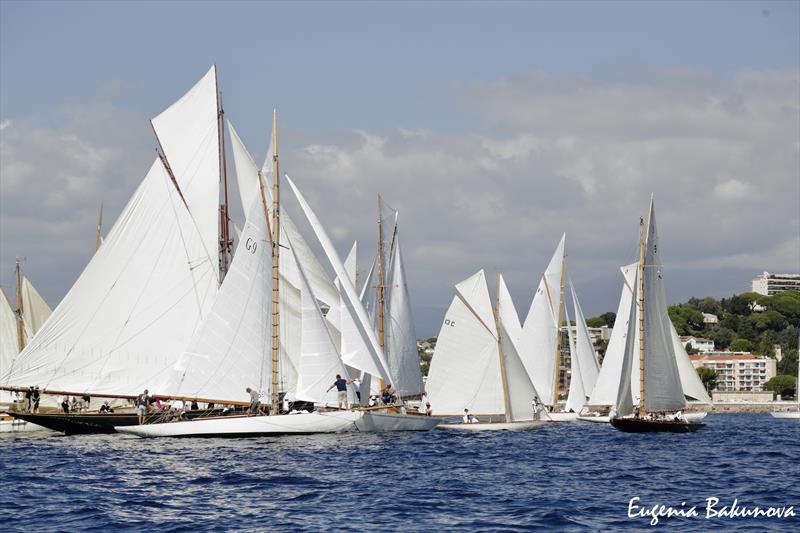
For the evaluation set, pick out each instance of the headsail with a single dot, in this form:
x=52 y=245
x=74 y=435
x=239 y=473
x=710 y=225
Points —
x=539 y=339
x=35 y=310
x=585 y=368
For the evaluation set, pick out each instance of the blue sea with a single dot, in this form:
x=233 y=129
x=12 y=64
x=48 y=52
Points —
x=564 y=477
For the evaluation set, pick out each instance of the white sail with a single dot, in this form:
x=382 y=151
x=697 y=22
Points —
x=400 y=340
x=360 y=321
x=624 y=401
x=507 y=312
x=188 y=132
x=9 y=344
x=663 y=390
x=539 y=339
x=319 y=359
x=35 y=310
x=576 y=393
x=465 y=368
x=584 y=359
x=230 y=350
x=519 y=387
x=605 y=390
x=351 y=265
x=290 y=237
x=692 y=384
x=134 y=308
x=475 y=294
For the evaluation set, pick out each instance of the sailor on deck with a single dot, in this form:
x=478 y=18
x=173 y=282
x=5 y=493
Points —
x=341 y=388
x=253 y=409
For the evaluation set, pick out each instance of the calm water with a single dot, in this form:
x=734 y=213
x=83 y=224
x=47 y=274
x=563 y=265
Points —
x=565 y=477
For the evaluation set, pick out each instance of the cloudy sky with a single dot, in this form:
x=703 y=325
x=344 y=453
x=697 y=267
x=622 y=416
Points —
x=492 y=127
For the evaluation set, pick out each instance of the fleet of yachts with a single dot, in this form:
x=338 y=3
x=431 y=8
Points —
x=169 y=304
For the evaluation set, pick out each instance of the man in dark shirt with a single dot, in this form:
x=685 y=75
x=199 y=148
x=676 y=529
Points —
x=143 y=405
x=341 y=387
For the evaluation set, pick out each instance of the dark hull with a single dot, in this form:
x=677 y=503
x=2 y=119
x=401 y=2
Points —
x=90 y=423
x=640 y=425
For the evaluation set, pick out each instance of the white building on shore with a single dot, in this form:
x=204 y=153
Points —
x=737 y=371
x=769 y=284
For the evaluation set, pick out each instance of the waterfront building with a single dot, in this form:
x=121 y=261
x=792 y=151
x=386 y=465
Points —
x=769 y=284
x=698 y=343
x=737 y=371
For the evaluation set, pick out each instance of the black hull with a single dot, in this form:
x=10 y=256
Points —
x=640 y=425
x=92 y=423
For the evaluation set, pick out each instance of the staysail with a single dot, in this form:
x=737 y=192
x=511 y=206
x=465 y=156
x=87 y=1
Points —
x=35 y=310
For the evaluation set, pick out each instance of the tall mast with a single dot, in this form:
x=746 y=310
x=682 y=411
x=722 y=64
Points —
x=99 y=228
x=640 y=303
x=503 y=377
x=276 y=231
x=558 y=337
x=20 y=323
x=224 y=225
x=380 y=287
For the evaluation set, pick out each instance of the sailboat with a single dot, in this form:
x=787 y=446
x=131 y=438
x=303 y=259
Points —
x=128 y=318
x=584 y=367
x=18 y=325
x=476 y=367
x=661 y=400
x=604 y=394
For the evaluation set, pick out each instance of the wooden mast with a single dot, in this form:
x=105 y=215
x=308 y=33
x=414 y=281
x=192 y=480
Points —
x=558 y=336
x=224 y=225
x=276 y=231
x=99 y=228
x=20 y=323
x=503 y=377
x=640 y=303
x=380 y=286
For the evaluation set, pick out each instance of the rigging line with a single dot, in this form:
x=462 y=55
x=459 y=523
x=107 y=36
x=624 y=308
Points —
x=469 y=308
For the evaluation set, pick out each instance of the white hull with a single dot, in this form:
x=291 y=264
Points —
x=560 y=417
x=602 y=419
x=495 y=426
x=377 y=422
x=250 y=426
x=787 y=415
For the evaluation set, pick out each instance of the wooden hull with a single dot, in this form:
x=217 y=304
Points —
x=605 y=419
x=529 y=425
x=640 y=425
x=87 y=423
x=239 y=426
x=787 y=415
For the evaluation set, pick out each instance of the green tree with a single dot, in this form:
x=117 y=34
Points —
x=424 y=362
x=606 y=319
x=783 y=385
x=705 y=305
x=722 y=337
x=768 y=320
x=788 y=364
x=709 y=378
x=687 y=321
x=737 y=305
x=787 y=303
x=741 y=345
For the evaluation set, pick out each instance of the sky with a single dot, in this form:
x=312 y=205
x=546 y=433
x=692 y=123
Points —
x=492 y=127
